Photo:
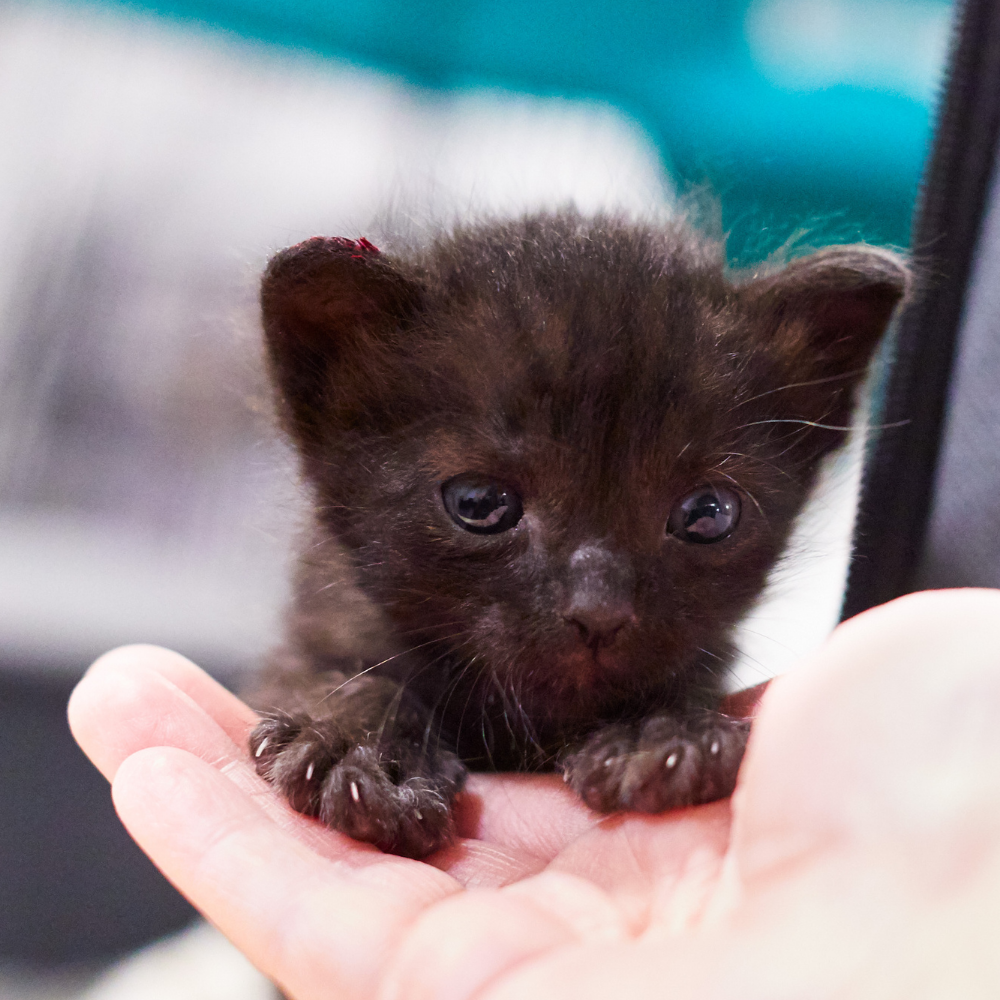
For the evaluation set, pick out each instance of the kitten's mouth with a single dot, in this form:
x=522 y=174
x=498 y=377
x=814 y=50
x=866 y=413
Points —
x=591 y=666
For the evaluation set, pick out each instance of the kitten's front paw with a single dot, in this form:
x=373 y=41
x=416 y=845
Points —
x=662 y=763
x=398 y=801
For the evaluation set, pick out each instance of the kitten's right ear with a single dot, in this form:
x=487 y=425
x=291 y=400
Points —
x=333 y=310
x=834 y=304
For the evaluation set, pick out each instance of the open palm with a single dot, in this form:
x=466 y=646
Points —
x=860 y=856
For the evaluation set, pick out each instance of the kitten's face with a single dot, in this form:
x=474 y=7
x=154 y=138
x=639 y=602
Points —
x=564 y=455
x=541 y=524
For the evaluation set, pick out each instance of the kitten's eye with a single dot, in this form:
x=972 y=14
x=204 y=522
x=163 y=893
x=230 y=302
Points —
x=709 y=514
x=481 y=506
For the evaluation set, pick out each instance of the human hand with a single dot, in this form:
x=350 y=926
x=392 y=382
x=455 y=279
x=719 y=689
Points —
x=860 y=856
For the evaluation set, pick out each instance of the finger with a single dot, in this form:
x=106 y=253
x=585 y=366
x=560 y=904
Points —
x=623 y=876
x=889 y=734
x=129 y=701
x=321 y=928
x=140 y=696
x=455 y=949
x=229 y=711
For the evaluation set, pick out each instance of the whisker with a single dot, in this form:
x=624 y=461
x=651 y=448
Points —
x=391 y=712
x=760 y=509
x=503 y=699
x=799 y=385
x=825 y=427
x=757 y=458
x=473 y=689
x=446 y=695
x=708 y=652
x=388 y=659
x=764 y=635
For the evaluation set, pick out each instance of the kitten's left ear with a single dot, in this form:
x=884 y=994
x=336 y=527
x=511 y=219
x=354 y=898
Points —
x=335 y=314
x=833 y=305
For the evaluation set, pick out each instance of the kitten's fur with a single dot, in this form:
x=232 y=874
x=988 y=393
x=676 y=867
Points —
x=603 y=370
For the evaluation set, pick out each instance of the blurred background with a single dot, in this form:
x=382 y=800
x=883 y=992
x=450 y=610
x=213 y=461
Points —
x=153 y=155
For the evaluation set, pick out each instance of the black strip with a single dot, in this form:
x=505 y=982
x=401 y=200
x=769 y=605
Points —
x=898 y=482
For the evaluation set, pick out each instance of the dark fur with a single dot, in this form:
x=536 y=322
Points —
x=603 y=369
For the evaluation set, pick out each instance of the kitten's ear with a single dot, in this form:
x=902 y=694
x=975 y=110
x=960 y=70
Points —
x=333 y=311
x=833 y=306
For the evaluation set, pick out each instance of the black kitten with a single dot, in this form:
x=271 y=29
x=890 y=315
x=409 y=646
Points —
x=553 y=461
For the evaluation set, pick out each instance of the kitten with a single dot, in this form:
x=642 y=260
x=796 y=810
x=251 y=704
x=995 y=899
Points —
x=553 y=461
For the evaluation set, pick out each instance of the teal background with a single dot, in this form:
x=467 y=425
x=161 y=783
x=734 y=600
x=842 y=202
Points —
x=845 y=159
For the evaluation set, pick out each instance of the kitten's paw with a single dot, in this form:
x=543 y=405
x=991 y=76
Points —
x=295 y=755
x=662 y=763
x=398 y=801
x=411 y=817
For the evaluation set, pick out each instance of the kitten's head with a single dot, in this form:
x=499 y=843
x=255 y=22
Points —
x=564 y=453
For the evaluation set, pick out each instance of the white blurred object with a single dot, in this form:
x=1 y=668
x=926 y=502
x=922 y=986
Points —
x=196 y=964
x=801 y=604
x=896 y=46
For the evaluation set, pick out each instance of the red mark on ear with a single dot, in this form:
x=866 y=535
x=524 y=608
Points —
x=362 y=245
x=361 y=248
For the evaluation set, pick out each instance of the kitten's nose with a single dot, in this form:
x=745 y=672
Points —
x=601 y=585
x=599 y=623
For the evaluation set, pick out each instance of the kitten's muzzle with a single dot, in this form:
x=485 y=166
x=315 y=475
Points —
x=601 y=589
